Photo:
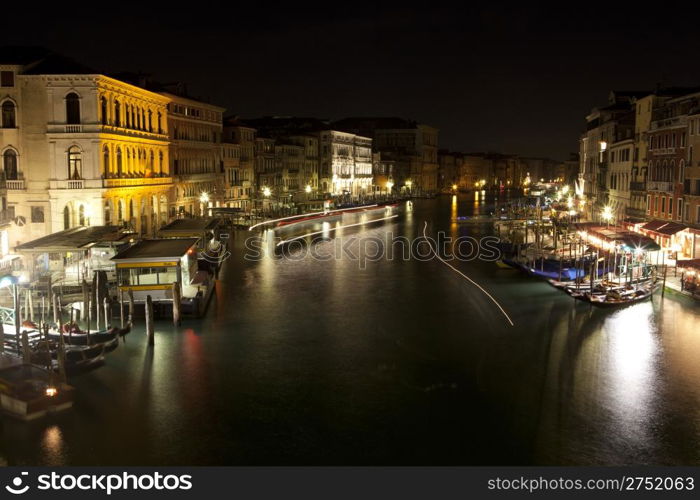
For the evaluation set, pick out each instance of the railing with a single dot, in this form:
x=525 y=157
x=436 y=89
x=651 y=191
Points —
x=638 y=186
x=74 y=129
x=136 y=181
x=659 y=186
x=75 y=184
x=16 y=184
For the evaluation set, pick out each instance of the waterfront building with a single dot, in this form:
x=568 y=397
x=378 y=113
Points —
x=80 y=148
x=413 y=147
x=242 y=174
x=196 y=154
x=619 y=175
x=604 y=125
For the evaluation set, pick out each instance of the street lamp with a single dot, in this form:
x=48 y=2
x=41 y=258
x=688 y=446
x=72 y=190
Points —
x=204 y=197
x=307 y=188
x=607 y=214
x=266 y=191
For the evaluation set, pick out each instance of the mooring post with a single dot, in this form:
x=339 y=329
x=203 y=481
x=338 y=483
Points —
x=86 y=297
x=62 y=358
x=176 y=303
x=18 y=321
x=26 y=353
x=121 y=308
x=130 y=294
x=107 y=315
x=2 y=338
x=96 y=299
x=30 y=301
x=149 y=320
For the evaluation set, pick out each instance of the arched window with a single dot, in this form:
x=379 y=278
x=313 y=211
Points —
x=8 y=115
x=103 y=110
x=105 y=162
x=120 y=211
x=72 y=109
x=131 y=210
x=681 y=173
x=108 y=214
x=117 y=114
x=119 y=162
x=160 y=123
x=9 y=163
x=160 y=163
x=151 y=161
x=75 y=163
x=81 y=215
x=150 y=121
x=66 y=217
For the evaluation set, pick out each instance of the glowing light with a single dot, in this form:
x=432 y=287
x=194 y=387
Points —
x=389 y=185
x=603 y=145
x=607 y=213
x=204 y=197
x=266 y=191
x=409 y=183
x=51 y=391
x=307 y=188
x=454 y=187
x=565 y=189
x=335 y=229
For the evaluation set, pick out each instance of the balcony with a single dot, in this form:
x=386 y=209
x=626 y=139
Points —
x=15 y=185
x=74 y=129
x=659 y=186
x=135 y=181
x=638 y=186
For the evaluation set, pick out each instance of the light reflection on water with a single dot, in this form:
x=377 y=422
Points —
x=310 y=362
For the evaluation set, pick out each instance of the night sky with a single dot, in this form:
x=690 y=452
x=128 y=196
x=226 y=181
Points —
x=513 y=79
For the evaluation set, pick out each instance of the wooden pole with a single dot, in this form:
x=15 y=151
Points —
x=149 y=320
x=121 y=307
x=54 y=300
x=30 y=300
x=86 y=301
x=130 y=294
x=177 y=303
x=61 y=358
x=26 y=353
x=2 y=338
x=18 y=320
x=96 y=299
x=107 y=315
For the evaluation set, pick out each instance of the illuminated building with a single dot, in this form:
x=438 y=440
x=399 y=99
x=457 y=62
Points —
x=195 y=132
x=80 y=148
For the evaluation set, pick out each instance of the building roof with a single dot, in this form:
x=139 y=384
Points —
x=42 y=61
x=189 y=225
x=171 y=248
x=75 y=239
x=664 y=228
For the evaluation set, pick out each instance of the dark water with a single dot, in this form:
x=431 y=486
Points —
x=403 y=362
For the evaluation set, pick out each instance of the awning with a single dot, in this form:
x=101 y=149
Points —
x=664 y=228
x=689 y=264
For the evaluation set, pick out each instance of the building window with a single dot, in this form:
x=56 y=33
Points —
x=37 y=214
x=8 y=115
x=105 y=162
x=119 y=162
x=103 y=110
x=679 y=214
x=117 y=114
x=81 y=215
x=7 y=79
x=9 y=161
x=75 y=164
x=72 y=109
x=66 y=217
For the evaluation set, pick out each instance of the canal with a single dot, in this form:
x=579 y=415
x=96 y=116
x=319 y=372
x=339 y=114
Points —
x=329 y=362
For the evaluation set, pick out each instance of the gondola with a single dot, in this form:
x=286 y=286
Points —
x=616 y=298
x=74 y=336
